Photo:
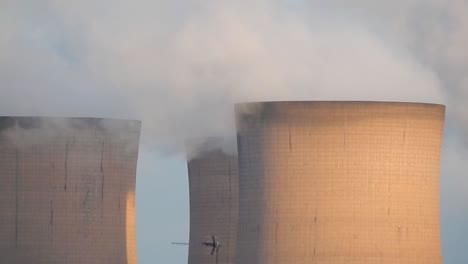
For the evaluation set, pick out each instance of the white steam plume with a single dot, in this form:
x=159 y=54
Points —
x=181 y=77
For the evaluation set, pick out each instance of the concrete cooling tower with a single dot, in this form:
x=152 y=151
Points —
x=67 y=190
x=213 y=207
x=339 y=182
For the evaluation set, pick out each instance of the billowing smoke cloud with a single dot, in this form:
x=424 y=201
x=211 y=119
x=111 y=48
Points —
x=433 y=32
x=180 y=65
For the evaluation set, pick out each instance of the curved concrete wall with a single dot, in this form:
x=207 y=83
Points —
x=213 y=206
x=339 y=182
x=67 y=188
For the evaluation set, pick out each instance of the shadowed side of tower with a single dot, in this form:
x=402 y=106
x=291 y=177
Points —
x=67 y=188
x=339 y=182
x=213 y=182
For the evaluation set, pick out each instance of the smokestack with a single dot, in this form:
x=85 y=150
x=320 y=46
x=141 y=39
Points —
x=339 y=182
x=213 y=186
x=67 y=190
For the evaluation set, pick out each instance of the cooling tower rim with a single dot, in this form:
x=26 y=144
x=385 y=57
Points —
x=201 y=146
x=305 y=108
x=265 y=103
x=27 y=122
x=69 y=117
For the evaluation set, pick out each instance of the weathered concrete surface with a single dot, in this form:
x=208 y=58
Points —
x=213 y=181
x=67 y=190
x=339 y=182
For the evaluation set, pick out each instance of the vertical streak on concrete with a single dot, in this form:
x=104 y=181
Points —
x=102 y=179
x=276 y=242
x=230 y=209
x=404 y=131
x=66 y=167
x=119 y=200
x=16 y=198
x=52 y=220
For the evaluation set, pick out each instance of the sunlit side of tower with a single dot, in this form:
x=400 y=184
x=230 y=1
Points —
x=67 y=190
x=339 y=182
x=213 y=186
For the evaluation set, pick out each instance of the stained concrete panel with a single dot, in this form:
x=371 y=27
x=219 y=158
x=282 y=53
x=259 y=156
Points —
x=67 y=188
x=339 y=182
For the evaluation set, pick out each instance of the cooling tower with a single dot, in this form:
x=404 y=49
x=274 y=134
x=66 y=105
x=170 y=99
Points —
x=213 y=207
x=67 y=190
x=339 y=182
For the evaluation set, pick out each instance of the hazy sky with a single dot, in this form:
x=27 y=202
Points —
x=179 y=65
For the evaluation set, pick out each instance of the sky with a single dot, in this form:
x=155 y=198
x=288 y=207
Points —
x=180 y=65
